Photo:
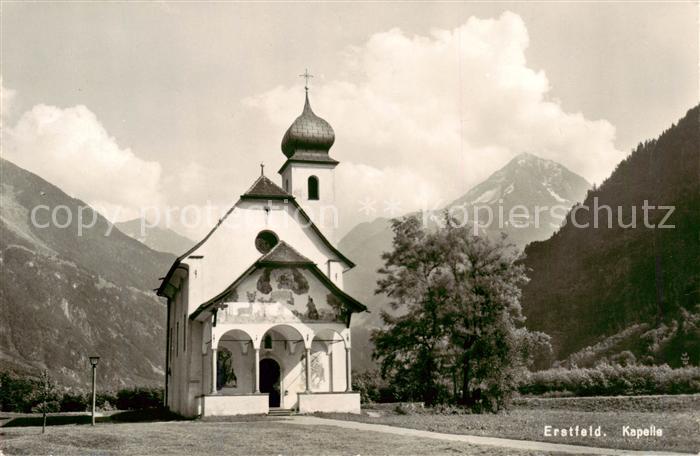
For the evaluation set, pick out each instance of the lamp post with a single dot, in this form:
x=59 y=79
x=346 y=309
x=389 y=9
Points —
x=93 y=362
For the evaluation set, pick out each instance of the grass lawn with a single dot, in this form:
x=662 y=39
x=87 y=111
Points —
x=154 y=432
x=680 y=421
x=264 y=436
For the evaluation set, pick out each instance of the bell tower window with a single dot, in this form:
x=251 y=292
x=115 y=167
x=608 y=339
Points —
x=313 y=188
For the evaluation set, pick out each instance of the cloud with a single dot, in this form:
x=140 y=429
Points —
x=7 y=97
x=418 y=120
x=441 y=112
x=70 y=148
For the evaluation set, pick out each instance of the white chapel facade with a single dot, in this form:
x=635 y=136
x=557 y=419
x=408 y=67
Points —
x=257 y=316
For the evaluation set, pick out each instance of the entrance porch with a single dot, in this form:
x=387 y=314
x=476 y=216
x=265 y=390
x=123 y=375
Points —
x=288 y=366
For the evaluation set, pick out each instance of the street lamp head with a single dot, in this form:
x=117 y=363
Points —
x=94 y=360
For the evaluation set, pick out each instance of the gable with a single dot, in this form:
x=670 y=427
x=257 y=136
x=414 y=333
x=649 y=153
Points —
x=230 y=247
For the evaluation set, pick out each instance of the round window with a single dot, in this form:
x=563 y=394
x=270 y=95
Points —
x=265 y=240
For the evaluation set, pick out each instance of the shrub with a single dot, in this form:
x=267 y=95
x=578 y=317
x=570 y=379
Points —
x=399 y=410
x=16 y=393
x=373 y=388
x=74 y=402
x=139 y=398
x=50 y=406
x=104 y=400
x=366 y=383
x=609 y=380
x=27 y=394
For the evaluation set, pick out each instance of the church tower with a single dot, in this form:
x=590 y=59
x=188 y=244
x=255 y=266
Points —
x=308 y=173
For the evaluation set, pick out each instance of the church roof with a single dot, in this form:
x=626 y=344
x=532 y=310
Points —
x=308 y=134
x=283 y=253
x=266 y=189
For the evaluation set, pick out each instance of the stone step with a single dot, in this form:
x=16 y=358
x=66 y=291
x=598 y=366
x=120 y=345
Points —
x=274 y=411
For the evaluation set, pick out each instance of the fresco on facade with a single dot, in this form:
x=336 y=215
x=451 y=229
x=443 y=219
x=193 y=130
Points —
x=225 y=376
x=282 y=295
x=318 y=370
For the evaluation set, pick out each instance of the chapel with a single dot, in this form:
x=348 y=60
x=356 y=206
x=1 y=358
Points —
x=257 y=319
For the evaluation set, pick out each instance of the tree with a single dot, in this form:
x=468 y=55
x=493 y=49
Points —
x=459 y=295
x=535 y=348
x=411 y=346
x=16 y=392
x=485 y=312
x=46 y=398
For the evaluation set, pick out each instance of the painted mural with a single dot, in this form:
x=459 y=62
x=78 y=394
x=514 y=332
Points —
x=318 y=369
x=282 y=294
x=225 y=375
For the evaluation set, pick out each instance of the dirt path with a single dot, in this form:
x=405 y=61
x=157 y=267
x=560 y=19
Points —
x=472 y=439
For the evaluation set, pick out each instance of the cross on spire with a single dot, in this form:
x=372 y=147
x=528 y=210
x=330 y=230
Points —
x=306 y=77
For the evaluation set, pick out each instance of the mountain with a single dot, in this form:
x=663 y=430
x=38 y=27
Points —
x=526 y=180
x=607 y=291
x=530 y=181
x=69 y=292
x=155 y=237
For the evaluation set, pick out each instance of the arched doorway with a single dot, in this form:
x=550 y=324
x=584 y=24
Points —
x=270 y=380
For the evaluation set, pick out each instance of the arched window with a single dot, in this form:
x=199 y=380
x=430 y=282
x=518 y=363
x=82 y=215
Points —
x=267 y=342
x=313 y=188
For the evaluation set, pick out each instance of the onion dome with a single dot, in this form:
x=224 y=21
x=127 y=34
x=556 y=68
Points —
x=309 y=135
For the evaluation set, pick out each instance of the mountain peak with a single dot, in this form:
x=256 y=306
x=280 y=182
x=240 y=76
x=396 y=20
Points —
x=526 y=156
x=531 y=180
x=527 y=159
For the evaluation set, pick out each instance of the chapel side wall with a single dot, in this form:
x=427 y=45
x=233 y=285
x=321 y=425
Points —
x=169 y=355
x=178 y=365
x=174 y=386
x=195 y=378
x=184 y=348
x=179 y=351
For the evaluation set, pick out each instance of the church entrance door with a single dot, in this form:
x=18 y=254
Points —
x=270 y=380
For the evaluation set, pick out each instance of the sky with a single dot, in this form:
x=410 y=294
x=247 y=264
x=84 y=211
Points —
x=134 y=105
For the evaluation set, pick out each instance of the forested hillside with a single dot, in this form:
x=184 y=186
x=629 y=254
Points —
x=70 y=292
x=632 y=290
